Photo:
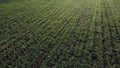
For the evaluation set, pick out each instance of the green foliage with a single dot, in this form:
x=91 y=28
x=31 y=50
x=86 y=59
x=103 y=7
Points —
x=59 y=33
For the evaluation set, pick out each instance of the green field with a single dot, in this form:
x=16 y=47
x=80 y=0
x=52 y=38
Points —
x=59 y=33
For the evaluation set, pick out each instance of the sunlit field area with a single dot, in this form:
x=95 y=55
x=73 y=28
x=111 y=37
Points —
x=59 y=33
